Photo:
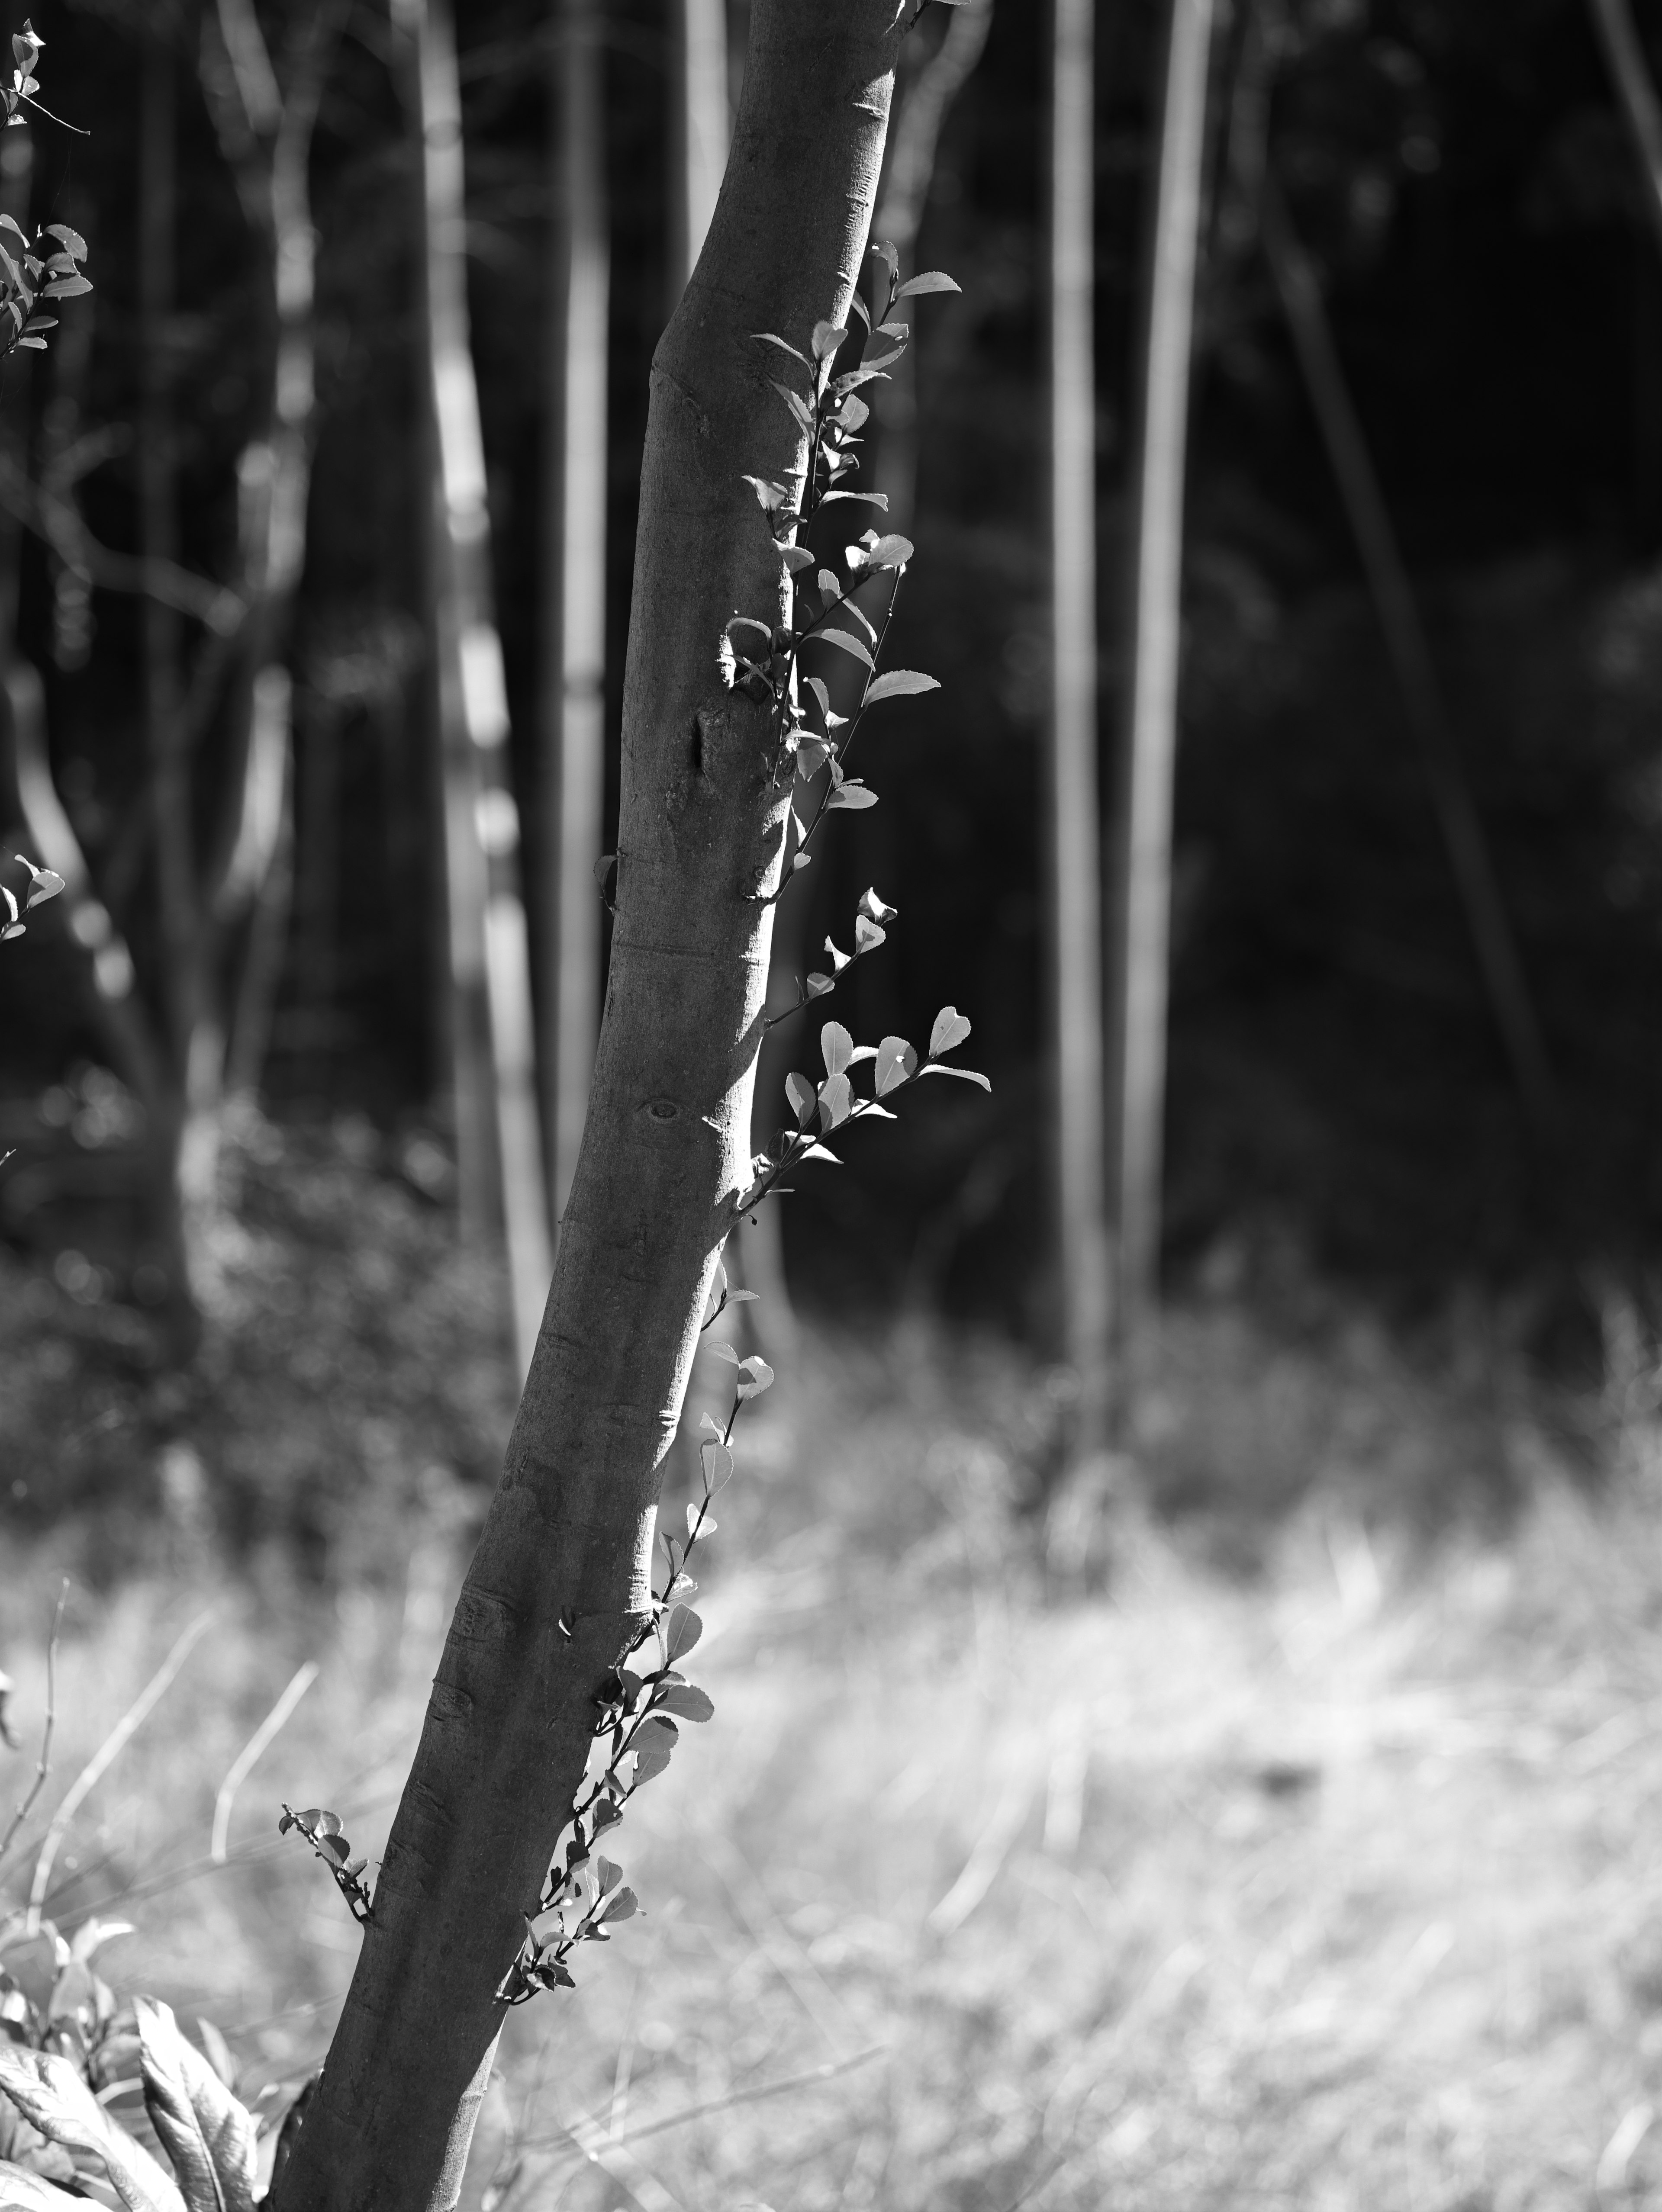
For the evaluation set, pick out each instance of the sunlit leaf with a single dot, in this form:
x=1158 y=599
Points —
x=836 y=1103
x=837 y=1046
x=756 y=1376
x=867 y=935
x=900 y=683
x=688 y=1703
x=932 y=280
x=853 y=795
x=717 y=1462
x=897 y=1063
x=950 y=1028
x=800 y=1093
x=682 y=1629
x=964 y=1074
x=841 y=639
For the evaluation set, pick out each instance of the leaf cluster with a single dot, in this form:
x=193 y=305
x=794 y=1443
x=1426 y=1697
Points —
x=65 y=2062
x=639 y=1713
x=44 y=884
x=322 y=1830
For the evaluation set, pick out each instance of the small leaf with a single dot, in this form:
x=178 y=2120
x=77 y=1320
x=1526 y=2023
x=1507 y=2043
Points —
x=699 y=1524
x=723 y=1352
x=836 y=1045
x=836 y=1103
x=871 y=904
x=682 y=1629
x=756 y=1376
x=853 y=413
x=900 y=683
x=767 y=338
x=950 y=1028
x=932 y=280
x=68 y=287
x=717 y=1465
x=841 y=639
x=624 y=1905
x=853 y=795
x=800 y=1093
x=964 y=1074
x=816 y=684
x=896 y=1063
x=827 y=337
x=829 y=588
x=818 y=1152
x=769 y=497
x=798 y=406
x=71 y=239
x=890 y=553
x=689 y=1703
x=796 y=558
x=867 y=935
x=871 y=498
x=817 y=985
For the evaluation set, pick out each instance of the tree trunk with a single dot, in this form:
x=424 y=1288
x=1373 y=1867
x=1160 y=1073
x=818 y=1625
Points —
x=574 y=682
x=495 y=1055
x=1141 y=925
x=1073 y=813
x=560 y=1581
x=698 y=132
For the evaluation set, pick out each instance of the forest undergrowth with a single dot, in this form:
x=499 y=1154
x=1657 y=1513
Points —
x=1310 y=1861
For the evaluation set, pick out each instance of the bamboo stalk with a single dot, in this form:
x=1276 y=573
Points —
x=575 y=681
x=494 y=1063
x=1072 y=811
x=1140 y=935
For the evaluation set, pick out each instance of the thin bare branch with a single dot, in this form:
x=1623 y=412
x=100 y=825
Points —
x=56 y=521
x=252 y=1751
x=43 y=1765
x=111 y=1749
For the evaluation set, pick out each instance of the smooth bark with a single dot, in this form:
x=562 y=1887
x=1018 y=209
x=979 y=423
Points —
x=560 y=1580
x=1140 y=929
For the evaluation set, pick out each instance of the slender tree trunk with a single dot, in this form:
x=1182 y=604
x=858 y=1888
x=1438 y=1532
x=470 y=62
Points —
x=561 y=1577
x=1073 y=812
x=495 y=1051
x=1139 y=930
x=574 y=682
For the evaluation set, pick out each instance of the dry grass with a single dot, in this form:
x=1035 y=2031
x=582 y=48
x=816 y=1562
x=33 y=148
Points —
x=1336 y=1885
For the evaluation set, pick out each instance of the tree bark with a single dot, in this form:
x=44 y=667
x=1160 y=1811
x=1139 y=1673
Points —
x=560 y=1581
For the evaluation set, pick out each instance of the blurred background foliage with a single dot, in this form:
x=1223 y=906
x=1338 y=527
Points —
x=1344 y=1134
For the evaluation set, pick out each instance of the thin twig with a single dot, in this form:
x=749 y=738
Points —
x=751 y=2096
x=43 y=1765
x=103 y=1757
x=243 y=1764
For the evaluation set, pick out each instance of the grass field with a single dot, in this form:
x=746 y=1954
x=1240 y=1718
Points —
x=1315 y=1862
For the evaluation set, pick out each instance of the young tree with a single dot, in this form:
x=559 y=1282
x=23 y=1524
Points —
x=560 y=1581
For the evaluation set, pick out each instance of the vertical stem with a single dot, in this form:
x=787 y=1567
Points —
x=576 y=681
x=158 y=533
x=1141 y=923
x=1072 y=811
x=495 y=1054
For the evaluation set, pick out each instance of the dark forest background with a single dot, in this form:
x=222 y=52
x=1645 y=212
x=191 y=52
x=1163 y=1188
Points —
x=1340 y=1109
